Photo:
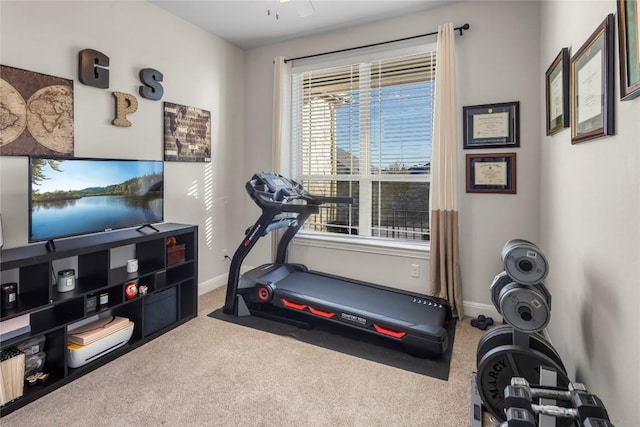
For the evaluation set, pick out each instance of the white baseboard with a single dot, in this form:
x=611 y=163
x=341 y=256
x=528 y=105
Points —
x=216 y=282
x=211 y=284
x=474 y=309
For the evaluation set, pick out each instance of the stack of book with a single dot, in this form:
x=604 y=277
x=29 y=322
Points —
x=11 y=374
x=92 y=338
x=15 y=326
x=92 y=332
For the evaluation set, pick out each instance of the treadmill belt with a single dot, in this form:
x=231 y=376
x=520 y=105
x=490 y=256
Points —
x=359 y=297
x=349 y=341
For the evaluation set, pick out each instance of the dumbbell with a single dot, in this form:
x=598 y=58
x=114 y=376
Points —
x=518 y=417
x=482 y=322
x=587 y=409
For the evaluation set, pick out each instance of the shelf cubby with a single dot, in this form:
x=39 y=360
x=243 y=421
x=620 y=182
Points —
x=57 y=315
x=180 y=272
x=50 y=312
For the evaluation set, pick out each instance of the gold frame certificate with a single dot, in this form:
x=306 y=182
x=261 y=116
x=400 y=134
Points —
x=629 y=48
x=557 y=93
x=492 y=125
x=592 y=85
x=491 y=173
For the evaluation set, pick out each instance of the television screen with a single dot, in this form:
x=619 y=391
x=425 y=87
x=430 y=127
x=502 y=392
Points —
x=72 y=196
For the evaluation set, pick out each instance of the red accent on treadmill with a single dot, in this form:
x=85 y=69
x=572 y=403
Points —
x=246 y=242
x=326 y=314
x=293 y=304
x=264 y=294
x=385 y=331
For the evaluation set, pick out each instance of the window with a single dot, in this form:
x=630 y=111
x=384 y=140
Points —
x=364 y=130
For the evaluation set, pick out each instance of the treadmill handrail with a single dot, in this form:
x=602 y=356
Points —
x=321 y=200
x=271 y=207
x=279 y=223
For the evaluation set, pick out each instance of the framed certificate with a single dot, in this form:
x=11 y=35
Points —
x=629 y=38
x=492 y=125
x=592 y=85
x=491 y=173
x=557 y=93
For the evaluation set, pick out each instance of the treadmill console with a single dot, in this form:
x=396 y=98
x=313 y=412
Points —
x=272 y=191
x=279 y=187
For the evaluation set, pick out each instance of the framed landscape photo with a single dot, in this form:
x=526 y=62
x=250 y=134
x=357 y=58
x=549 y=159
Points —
x=557 y=93
x=492 y=125
x=491 y=173
x=629 y=38
x=592 y=85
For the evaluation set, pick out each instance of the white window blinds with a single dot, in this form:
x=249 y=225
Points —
x=364 y=130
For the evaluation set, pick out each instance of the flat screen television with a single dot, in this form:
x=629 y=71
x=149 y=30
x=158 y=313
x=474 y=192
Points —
x=74 y=196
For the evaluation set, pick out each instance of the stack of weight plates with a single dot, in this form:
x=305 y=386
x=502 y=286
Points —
x=518 y=293
x=520 y=296
x=498 y=360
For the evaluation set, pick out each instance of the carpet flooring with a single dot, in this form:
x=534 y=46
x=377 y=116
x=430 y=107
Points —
x=352 y=342
x=209 y=372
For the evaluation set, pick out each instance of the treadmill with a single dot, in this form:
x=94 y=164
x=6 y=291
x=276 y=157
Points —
x=289 y=292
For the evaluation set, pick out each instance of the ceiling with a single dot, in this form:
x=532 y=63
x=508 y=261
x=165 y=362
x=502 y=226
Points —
x=253 y=23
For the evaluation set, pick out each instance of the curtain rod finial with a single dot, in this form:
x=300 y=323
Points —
x=464 y=27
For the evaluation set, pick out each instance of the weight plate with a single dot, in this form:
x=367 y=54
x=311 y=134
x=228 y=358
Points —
x=500 y=364
x=544 y=291
x=503 y=335
x=489 y=340
x=524 y=307
x=499 y=282
x=524 y=262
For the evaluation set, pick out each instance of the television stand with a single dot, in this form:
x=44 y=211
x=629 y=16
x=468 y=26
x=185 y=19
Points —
x=147 y=225
x=50 y=246
x=43 y=315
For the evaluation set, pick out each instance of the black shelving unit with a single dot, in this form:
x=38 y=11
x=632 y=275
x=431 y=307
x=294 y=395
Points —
x=51 y=312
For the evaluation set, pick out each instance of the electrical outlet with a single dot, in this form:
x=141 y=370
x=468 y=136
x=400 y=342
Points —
x=415 y=270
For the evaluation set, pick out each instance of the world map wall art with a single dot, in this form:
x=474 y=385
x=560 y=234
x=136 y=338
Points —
x=36 y=113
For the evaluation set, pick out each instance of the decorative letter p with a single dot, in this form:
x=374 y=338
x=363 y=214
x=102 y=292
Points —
x=125 y=104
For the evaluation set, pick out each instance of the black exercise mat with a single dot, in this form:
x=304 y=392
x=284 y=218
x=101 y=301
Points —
x=349 y=341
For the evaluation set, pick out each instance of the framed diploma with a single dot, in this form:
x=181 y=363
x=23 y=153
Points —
x=592 y=85
x=491 y=173
x=557 y=93
x=629 y=38
x=492 y=125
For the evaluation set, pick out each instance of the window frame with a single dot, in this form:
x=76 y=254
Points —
x=360 y=243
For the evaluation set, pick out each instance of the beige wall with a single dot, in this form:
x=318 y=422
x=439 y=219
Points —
x=581 y=204
x=200 y=70
x=498 y=61
x=590 y=230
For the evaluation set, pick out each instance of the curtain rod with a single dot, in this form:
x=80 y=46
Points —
x=464 y=27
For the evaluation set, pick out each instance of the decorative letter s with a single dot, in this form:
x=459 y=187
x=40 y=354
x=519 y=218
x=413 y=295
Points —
x=152 y=89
